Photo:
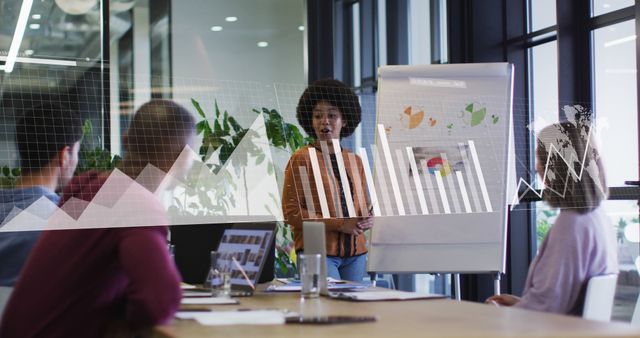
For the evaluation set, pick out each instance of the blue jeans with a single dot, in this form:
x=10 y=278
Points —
x=347 y=268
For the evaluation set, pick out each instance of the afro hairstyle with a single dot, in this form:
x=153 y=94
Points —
x=335 y=93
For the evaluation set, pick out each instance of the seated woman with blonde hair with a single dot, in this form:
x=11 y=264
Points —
x=581 y=243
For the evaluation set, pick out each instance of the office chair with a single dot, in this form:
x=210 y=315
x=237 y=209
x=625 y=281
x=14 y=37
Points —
x=598 y=300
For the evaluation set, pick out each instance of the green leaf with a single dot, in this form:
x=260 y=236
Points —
x=201 y=127
x=234 y=124
x=16 y=172
x=469 y=108
x=6 y=171
x=217 y=109
x=260 y=159
x=225 y=152
x=87 y=128
x=225 y=122
x=217 y=129
x=196 y=104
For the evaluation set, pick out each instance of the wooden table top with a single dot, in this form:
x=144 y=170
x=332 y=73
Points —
x=415 y=318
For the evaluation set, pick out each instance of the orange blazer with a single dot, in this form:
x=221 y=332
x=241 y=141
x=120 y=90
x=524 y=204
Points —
x=300 y=189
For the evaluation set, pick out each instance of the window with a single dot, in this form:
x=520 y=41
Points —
x=615 y=97
x=542 y=14
x=606 y=6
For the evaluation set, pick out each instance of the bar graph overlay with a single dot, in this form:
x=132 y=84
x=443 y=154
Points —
x=392 y=180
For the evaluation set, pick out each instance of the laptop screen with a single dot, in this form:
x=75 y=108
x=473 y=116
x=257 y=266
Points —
x=249 y=247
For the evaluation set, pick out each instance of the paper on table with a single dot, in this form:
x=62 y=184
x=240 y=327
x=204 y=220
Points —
x=196 y=294
x=258 y=317
x=291 y=280
x=208 y=301
x=185 y=286
x=297 y=286
x=383 y=295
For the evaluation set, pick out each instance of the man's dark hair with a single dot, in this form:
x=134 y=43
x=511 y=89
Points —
x=158 y=127
x=335 y=93
x=44 y=131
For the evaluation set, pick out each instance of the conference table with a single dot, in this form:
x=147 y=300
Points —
x=412 y=318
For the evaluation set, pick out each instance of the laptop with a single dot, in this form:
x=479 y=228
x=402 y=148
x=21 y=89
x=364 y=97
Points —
x=193 y=243
x=250 y=249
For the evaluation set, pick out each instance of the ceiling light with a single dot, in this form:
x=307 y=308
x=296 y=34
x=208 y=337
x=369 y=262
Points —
x=36 y=16
x=28 y=52
x=263 y=44
x=76 y=7
x=606 y=5
x=17 y=35
x=34 y=26
x=216 y=28
x=231 y=19
x=39 y=61
x=301 y=28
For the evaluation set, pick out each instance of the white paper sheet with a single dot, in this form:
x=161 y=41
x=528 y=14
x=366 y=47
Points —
x=208 y=301
x=383 y=295
x=196 y=294
x=214 y=318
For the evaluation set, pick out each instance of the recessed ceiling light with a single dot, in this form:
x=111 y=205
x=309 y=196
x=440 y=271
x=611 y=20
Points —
x=36 y=16
x=216 y=28
x=28 y=52
x=231 y=19
x=263 y=44
x=301 y=28
x=606 y=5
x=34 y=26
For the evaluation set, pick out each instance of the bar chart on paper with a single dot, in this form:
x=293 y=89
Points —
x=441 y=168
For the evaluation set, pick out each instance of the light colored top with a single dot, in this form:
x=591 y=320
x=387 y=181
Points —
x=578 y=247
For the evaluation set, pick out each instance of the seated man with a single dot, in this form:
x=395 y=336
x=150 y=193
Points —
x=48 y=140
x=86 y=282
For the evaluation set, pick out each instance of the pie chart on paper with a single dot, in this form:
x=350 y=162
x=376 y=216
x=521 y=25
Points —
x=412 y=119
x=436 y=164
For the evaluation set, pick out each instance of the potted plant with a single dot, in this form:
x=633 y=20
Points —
x=224 y=133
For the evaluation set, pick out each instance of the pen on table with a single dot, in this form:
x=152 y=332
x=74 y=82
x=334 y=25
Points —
x=243 y=273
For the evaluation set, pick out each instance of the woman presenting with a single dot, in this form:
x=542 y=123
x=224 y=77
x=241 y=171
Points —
x=328 y=111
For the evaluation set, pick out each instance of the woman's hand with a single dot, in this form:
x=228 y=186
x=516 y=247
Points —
x=503 y=300
x=365 y=223
x=356 y=226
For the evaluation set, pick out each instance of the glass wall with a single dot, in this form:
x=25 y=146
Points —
x=57 y=58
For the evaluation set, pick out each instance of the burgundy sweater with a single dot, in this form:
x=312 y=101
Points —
x=77 y=282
